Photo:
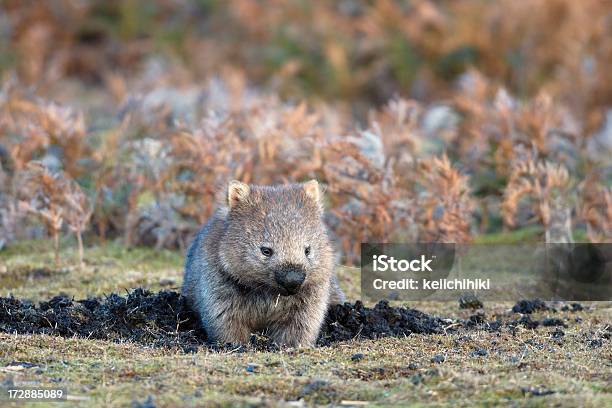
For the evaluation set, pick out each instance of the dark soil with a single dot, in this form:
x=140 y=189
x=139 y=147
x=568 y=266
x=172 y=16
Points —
x=553 y=321
x=574 y=307
x=470 y=301
x=529 y=306
x=153 y=319
x=163 y=320
x=346 y=322
x=527 y=322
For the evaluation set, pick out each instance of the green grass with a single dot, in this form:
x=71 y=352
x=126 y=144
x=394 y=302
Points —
x=533 y=233
x=394 y=371
x=108 y=268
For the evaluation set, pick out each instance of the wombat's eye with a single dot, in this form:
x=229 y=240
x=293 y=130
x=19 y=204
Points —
x=266 y=251
x=307 y=250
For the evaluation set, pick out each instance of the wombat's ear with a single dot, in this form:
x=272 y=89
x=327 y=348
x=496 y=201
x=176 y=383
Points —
x=237 y=192
x=312 y=190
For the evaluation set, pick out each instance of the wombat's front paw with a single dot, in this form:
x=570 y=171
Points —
x=232 y=332
x=295 y=334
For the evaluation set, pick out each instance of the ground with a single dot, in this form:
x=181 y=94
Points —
x=556 y=365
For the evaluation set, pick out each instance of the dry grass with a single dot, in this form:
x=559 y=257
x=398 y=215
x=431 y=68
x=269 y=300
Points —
x=395 y=371
x=118 y=374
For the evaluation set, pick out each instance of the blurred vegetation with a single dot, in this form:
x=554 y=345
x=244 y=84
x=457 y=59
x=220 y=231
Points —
x=366 y=50
x=437 y=120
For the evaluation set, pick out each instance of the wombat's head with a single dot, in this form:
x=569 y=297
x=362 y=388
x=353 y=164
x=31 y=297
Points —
x=275 y=237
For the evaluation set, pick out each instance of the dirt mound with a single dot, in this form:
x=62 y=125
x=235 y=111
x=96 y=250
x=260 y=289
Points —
x=163 y=320
x=159 y=319
x=345 y=322
x=529 y=306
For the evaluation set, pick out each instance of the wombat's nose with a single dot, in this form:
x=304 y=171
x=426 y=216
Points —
x=290 y=279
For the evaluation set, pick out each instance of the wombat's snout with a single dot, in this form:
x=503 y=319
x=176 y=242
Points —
x=290 y=278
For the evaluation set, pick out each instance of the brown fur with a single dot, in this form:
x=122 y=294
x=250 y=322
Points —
x=235 y=288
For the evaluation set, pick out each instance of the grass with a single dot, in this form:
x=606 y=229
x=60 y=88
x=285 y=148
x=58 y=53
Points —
x=517 y=366
x=109 y=268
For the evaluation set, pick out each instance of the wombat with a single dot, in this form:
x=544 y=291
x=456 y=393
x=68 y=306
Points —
x=263 y=263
